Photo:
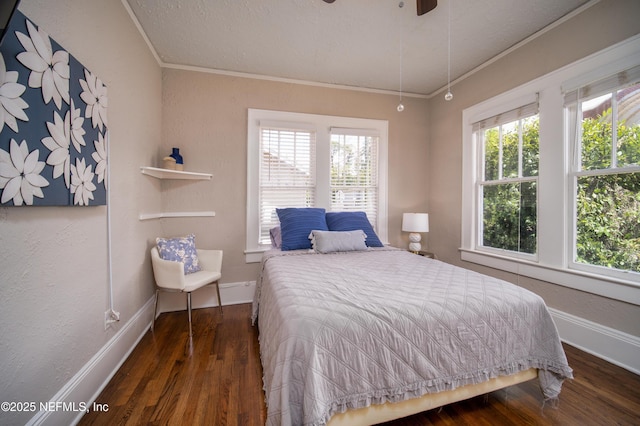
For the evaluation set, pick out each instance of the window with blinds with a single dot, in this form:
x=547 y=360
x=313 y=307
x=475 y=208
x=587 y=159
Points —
x=354 y=171
x=311 y=160
x=287 y=173
x=558 y=159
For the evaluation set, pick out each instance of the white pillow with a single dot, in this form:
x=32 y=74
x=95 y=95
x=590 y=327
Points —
x=332 y=241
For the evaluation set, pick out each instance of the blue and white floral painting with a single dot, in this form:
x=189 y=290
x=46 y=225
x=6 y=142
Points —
x=53 y=123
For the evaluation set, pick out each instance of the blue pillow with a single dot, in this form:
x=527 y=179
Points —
x=352 y=221
x=297 y=223
x=182 y=249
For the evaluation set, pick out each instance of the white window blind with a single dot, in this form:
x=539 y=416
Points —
x=287 y=172
x=506 y=117
x=616 y=81
x=354 y=171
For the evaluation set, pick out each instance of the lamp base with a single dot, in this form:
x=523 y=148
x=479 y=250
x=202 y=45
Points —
x=414 y=244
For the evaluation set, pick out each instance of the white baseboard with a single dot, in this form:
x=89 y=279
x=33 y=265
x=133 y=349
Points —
x=86 y=385
x=230 y=293
x=614 y=346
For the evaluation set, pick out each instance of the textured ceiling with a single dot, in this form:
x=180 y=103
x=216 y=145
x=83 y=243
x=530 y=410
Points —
x=350 y=42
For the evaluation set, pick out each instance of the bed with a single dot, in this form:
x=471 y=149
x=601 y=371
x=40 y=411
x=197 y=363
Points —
x=365 y=336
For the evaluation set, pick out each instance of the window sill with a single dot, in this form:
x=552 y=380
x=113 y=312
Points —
x=253 y=255
x=624 y=290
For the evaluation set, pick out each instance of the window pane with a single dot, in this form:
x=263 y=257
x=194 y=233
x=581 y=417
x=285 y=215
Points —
x=491 y=153
x=510 y=217
x=510 y=157
x=353 y=160
x=528 y=217
x=512 y=147
x=628 y=126
x=287 y=157
x=596 y=133
x=355 y=199
x=530 y=146
x=608 y=221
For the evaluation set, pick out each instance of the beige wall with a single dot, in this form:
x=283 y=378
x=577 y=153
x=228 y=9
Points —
x=602 y=25
x=53 y=262
x=206 y=116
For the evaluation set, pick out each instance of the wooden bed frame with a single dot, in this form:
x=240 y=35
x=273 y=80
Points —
x=391 y=411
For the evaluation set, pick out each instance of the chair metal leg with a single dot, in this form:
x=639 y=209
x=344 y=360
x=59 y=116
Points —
x=189 y=309
x=219 y=299
x=155 y=312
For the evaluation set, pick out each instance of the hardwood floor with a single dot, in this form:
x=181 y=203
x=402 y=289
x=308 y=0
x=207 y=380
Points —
x=217 y=380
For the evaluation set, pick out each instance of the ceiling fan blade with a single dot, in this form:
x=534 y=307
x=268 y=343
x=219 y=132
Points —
x=425 y=6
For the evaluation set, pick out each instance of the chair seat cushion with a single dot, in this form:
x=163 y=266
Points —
x=200 y=279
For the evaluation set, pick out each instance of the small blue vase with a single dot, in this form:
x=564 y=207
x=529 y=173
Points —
x=175 y=154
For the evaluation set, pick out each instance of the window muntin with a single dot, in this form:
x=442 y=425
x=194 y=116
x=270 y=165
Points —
x=606 y=176
x=509 y=219
x=507 y=188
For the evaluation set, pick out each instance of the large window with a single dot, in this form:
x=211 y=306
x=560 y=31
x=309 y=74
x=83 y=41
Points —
x=305 y=160
x=551 y=177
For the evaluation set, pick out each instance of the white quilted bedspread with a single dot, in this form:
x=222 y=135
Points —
x=348 y=330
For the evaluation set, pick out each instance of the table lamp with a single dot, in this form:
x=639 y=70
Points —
x=415 y=223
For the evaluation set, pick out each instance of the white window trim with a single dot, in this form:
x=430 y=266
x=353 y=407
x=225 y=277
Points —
x=553 y=260
x=322 y=124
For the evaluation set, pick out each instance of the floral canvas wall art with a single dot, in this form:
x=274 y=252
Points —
x=53 y=123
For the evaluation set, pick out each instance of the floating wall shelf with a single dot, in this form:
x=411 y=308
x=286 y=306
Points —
x=149 y=216
x=174 y=174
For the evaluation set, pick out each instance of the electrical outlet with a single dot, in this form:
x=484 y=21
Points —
x=107 y=318
x=110 y=316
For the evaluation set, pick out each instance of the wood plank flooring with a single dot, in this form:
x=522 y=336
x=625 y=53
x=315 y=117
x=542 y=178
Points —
x=216 y=379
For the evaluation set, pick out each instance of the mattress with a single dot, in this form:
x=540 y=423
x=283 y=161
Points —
x=348 y=330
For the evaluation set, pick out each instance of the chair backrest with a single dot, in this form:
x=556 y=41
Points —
x=168 y=274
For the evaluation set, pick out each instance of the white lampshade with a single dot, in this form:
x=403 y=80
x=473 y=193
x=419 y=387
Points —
x=415 y=222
